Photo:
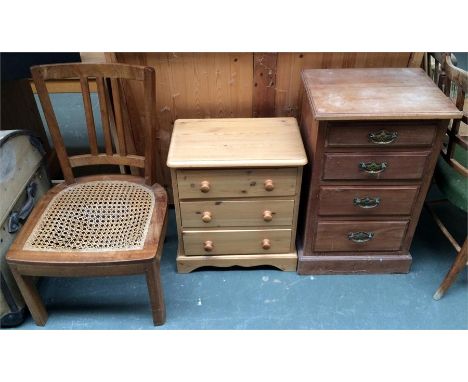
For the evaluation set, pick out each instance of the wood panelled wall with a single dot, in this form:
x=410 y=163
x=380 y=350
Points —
x=222 y=85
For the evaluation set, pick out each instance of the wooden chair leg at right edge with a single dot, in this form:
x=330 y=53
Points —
x=460 y=262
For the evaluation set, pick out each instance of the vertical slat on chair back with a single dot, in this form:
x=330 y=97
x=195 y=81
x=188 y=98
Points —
x=108 y=79
x=437 y=73
x=150 y=119
x=93 y=144
x=117 y=98
x=103 y=106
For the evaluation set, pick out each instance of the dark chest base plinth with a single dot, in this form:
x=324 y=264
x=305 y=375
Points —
x=353 y=265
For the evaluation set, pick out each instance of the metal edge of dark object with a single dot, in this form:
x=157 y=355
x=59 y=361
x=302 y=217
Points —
x=16 y=315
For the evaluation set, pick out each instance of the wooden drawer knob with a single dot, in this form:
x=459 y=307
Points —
x=206 y=217
x=269 y=186
x=208 y=246
x=267 y=216
x=266 y=244
x=205 y=186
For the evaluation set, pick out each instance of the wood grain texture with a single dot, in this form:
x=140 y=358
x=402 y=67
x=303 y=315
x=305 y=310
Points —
x=297 y=199
x=175 y=194
x=263 y=98
x=77 y=70
x=18 y=255
x=392 y=200
x=89 y=159
x=284 y=262
x=290 y=65
x=415 y=60
x=27 y=263
x=356 y=134
x=65 y=86
x=404 y=165
x=360 y=94
x=354 y=265
x=461 y=261
x=103 y=73
x=234 y=183
x=27 y=286
x=221 y=85
x=324 y=247
x=88 y=108
x=103 y=95
x=240 y=213
x=456 y=79
x=333 y=236
x=190 y=85
x=236 y=241
x=236 y=186
x=52 y=124
x=236 y=142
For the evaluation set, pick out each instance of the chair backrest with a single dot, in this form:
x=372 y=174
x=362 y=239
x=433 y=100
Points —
x=109 y=80
x=453 y=81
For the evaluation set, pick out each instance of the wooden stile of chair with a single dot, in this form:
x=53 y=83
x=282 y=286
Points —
x=452 y=172
x=100 y=225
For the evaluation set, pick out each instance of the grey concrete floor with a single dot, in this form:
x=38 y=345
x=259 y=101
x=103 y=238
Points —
x=265 y=298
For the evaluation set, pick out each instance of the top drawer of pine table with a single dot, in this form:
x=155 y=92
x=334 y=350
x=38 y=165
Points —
x=235 y=183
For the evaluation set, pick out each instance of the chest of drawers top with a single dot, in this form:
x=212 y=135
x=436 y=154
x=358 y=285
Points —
x=375 y=94
x=236 y=142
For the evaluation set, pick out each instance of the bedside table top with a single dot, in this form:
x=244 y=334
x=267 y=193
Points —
x=236 y=142
x=376 y=93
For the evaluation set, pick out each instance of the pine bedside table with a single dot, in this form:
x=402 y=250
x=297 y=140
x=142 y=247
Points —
x=236 y=189
x=372 y=137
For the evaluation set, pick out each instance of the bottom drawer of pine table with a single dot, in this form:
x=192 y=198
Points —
x=236 y=242
x=335 y=236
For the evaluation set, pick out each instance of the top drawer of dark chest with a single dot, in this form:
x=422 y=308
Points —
x=380 y=134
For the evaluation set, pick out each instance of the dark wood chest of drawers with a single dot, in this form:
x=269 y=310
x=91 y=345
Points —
x=372 y=138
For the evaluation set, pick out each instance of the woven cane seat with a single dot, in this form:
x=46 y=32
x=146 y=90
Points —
x=107 y=215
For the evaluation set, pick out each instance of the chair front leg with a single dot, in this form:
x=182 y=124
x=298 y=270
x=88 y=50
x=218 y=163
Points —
x=153 y=280
x=458 y=265
x=31 y=296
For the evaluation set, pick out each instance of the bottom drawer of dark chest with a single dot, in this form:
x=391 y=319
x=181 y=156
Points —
x=342 y=236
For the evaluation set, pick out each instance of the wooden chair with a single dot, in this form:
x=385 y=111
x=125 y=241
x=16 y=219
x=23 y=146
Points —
x=100 y=225
x=451 y=174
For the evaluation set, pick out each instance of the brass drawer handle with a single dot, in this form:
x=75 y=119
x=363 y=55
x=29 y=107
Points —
x=366 y=202
x=205 y=186
x=269 y=186
x=208 y=246
x=266 y=244
x=267 y=216
x=373 y=167
x=383 y=137
x=360 y=237
x=206 y=217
